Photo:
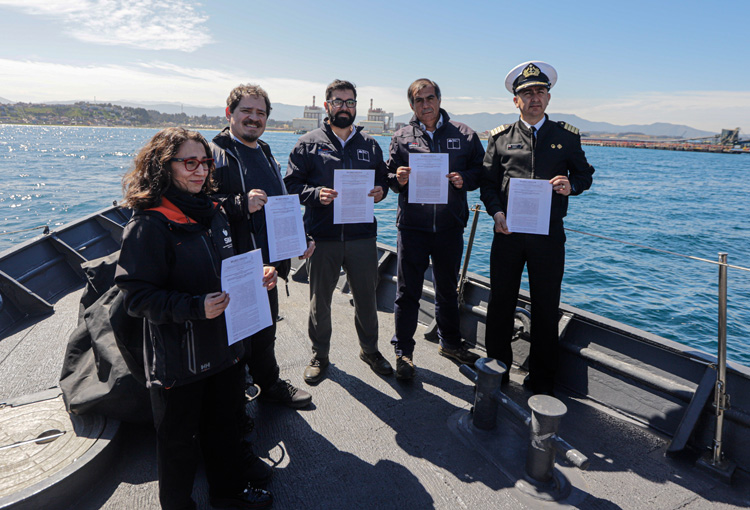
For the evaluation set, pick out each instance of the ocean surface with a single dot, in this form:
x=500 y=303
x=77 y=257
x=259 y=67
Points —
x=694 y=204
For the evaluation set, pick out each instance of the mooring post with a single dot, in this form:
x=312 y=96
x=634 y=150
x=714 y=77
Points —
x=487 y=377
x=546 y=414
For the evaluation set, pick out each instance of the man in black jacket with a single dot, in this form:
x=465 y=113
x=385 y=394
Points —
x=532 y=148
x=431 y=231
x=246 y=175
x=338 y=145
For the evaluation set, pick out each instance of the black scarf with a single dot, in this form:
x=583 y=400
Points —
x=198 y=207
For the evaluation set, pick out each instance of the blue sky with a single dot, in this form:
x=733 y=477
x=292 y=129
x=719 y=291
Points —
x=635 y=62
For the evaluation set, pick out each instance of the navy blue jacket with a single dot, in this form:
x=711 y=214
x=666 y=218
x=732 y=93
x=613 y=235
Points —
x=167 y=265
x=311 y=164
x=465 y=155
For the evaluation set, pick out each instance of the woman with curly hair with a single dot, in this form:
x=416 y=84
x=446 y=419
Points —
x=170 y=272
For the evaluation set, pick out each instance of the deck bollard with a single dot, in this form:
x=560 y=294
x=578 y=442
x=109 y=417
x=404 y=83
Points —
x=546 y=414
x=487 y=377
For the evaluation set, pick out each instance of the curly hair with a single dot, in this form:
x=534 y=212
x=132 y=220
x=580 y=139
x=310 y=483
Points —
x=151 y=176
x=240 y=91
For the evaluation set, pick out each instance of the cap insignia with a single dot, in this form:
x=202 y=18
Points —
x=531 y=70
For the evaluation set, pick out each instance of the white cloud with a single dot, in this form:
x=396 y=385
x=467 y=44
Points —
x=142 y=24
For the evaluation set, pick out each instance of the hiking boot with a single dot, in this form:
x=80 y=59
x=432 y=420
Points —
x=249 y=498
x=314 y=371
x=283 y=392
x=404 y=367
x=461 y=354
x=377 y=362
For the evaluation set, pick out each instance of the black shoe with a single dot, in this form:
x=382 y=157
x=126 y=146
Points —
x=249 y=498
x=283 y=392
x=538 y=389
x=256 y=472
x=404 y=367
x=461 y=354
x=315 y=370
x=377 y=362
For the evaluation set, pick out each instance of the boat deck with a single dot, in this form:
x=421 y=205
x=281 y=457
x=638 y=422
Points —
x=374 y=442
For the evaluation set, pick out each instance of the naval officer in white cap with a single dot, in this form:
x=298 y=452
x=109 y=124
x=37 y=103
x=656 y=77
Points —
x=534 y=147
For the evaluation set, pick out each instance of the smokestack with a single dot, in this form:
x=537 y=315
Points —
x=370 y=103
x=313 y=101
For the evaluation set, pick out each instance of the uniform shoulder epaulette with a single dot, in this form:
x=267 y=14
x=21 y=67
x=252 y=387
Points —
x=499 y=129
x=570 y=128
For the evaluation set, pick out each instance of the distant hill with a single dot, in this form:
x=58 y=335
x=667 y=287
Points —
x=486 y=121
x=280 y=111
x=477 y=121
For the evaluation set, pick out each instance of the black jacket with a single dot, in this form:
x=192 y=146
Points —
x=465 y=154
x=311 y=164
x=248 y=230
x=512 y=151
x=167 y=265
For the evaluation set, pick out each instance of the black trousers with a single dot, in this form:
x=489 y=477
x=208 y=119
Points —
x=203 y=411
x=260 y=349
x=415 y=248
x=544 y=257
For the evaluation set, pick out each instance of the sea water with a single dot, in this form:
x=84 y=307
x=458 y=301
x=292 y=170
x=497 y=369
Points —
x=695 y=204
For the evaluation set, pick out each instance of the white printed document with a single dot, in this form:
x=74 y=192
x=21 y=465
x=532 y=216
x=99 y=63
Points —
x=427 y=181
x=529 y=203
x=248 y=311
x=352 y=205
x=286 y=233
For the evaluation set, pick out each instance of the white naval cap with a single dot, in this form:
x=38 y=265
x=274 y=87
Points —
x=528 y=74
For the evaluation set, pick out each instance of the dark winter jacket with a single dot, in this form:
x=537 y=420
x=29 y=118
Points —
x=311 y=164
x=167 y=265
x=465 y=154
x=234 y=181
x=512 y=151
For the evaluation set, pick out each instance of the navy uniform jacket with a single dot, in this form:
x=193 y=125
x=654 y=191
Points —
x=513 y=152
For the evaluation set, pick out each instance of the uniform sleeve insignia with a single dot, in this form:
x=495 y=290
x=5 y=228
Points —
x=570 y=128
x=499 y=129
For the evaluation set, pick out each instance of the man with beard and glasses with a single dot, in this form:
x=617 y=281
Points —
x=431 y=231
x=246 y=175
x=338 y=145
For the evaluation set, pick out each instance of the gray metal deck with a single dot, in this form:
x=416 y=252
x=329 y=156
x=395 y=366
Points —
x=374 y=442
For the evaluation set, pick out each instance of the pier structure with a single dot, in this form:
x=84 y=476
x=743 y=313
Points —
x=726 y=142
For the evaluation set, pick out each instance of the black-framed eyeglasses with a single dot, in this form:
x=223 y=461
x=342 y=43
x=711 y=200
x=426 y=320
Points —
x=192 y=164
x=338 y=103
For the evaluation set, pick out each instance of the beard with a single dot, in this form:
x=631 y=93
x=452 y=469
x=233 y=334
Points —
x=342 y=120
x=251 y=138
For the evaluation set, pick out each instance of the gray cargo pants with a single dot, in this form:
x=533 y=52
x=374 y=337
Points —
x=360 y=262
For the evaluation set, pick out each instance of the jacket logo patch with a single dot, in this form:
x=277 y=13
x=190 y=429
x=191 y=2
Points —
x=324 y=150
x=363 y=155
x=413 y=145
x=512 y=146
x=454 y=143
x=205 y=366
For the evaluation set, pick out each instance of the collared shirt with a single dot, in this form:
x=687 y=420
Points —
x=537 y=125
x=351 y=135
x=238 y=140
x=431 y=133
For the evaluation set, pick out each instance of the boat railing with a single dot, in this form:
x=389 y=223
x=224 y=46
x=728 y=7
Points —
x=714 y=460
